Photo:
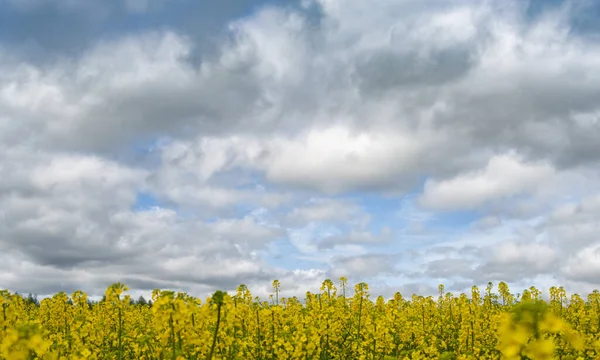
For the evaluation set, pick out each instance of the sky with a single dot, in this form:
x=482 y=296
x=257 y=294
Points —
x=196 y=146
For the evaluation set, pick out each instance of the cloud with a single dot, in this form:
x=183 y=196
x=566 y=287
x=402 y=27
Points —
x=558 y=246
x=575 y=226
x=530 y=258
x=448 y=267
x=487 y=222
x=584 y=266
x=356 y=238
x=317 y=140
x=335 y=160
x=504 y=176
x=153 y=245
x=362 y=266
x=327 y=210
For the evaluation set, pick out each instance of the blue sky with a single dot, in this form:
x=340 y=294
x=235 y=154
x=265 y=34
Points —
x=197 y=145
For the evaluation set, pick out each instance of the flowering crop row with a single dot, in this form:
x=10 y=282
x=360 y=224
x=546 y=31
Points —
x=330 y=324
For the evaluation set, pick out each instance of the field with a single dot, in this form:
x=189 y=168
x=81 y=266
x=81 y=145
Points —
x=336 y=323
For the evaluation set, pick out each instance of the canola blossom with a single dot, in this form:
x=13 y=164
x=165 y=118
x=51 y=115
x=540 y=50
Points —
x=331 y=324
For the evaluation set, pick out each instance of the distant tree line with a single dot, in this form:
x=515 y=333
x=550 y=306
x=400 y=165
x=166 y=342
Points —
x=33 y=300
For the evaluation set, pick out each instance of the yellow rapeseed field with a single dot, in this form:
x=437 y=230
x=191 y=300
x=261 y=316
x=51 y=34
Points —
x=330 y=324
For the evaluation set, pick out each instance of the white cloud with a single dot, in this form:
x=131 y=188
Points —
x=335 y=159
x=504 y=176
x=539 y=256
x=584 y=265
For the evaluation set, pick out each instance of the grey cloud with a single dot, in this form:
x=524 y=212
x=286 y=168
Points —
x=73 y=214
x=204 y=175
x=458 y=287
x=246 y=231
x=566 y=247
x=510 y=259
x=487 y=222
x=176 y=100
x=575 y=226
x=385 y=70
x=58 y=212
x=584 y=266
x=363 y=266
x=448 y=268
x=130 y=89
x=356 y=238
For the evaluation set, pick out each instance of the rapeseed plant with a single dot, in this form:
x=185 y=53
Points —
x=327 y=325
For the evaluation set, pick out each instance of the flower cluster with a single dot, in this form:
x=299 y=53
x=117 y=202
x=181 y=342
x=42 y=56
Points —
x=333 y=323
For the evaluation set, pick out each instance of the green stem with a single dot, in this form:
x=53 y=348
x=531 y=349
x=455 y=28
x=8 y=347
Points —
x=172 y=326
x=120 y=334
x=214 y=342
x=359 y=319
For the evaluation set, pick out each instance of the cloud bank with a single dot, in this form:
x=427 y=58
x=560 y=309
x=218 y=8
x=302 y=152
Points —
x=404 y=143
